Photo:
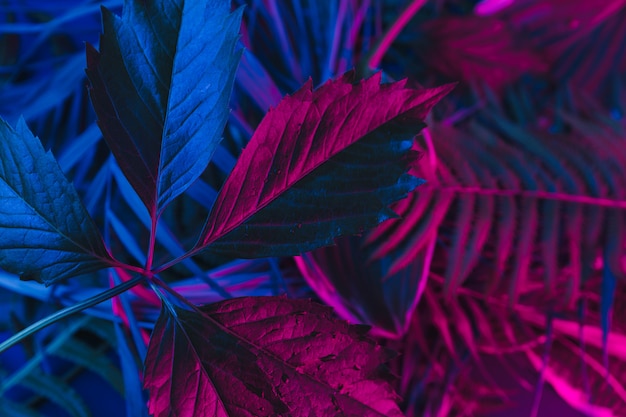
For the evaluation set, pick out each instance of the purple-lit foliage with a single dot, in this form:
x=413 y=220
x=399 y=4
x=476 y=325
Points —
x=524 y=197
x=498 y=259
x=265 y=356
x=283 y=195
x=385 y=300
x=322 y=164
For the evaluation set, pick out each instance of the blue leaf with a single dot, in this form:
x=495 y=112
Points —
x=135 y=404
x=45 y=232
x=161 y=84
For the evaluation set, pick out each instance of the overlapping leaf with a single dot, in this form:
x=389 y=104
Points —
x=322 y=164
x=582 y=381
x=265 y=356
x=442 y=347
x=360 y=290
x=477 y=50
x=498 y=216
x=160 y=86
x=576 y=367
x=582 y=42
x=45 y=232
x=301 y=40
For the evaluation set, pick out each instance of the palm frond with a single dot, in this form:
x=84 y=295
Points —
x=479 y=351
x=583 y=42
x=506 y=203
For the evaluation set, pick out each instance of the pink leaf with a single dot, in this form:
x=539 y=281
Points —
x=361 y=290
x=265 y=356
x=478 y=50
x=303 y=132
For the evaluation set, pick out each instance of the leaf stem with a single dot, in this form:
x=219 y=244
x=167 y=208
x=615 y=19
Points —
x=156 y=283
x=152 y=242
x=131 y=268
x=175 y=261
x=61 y=314
x=392 y=33
x=211 y=283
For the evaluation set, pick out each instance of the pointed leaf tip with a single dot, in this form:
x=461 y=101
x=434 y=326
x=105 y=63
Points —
x=160 y=86
x=321 y=164
x=46 y=233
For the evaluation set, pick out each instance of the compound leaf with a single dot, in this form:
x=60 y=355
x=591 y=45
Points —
x=265 y=356
x=160 y=86
x=46 y=233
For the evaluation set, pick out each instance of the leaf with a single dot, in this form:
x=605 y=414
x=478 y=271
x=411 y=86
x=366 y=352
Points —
x=13 y=409
x=45 y=232
x=551 y=191
x=322 y=164
x=134 y=396
x=568 y=369
x=580 y=41
x=160 y=86
x=84 y=355
x=360 y=290
x=265 y=356
x=607 y=299
x=476 y=50
x=58 y=392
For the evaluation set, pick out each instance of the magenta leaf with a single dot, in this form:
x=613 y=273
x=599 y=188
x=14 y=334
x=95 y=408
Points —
x=322 y=164
x=265 y=356
x=478 y=50
x=360 y=289
x=160 y=86
x=46 y=233
x=578 y=372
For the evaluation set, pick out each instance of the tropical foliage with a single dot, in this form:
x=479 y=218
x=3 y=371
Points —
x=504 y=271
